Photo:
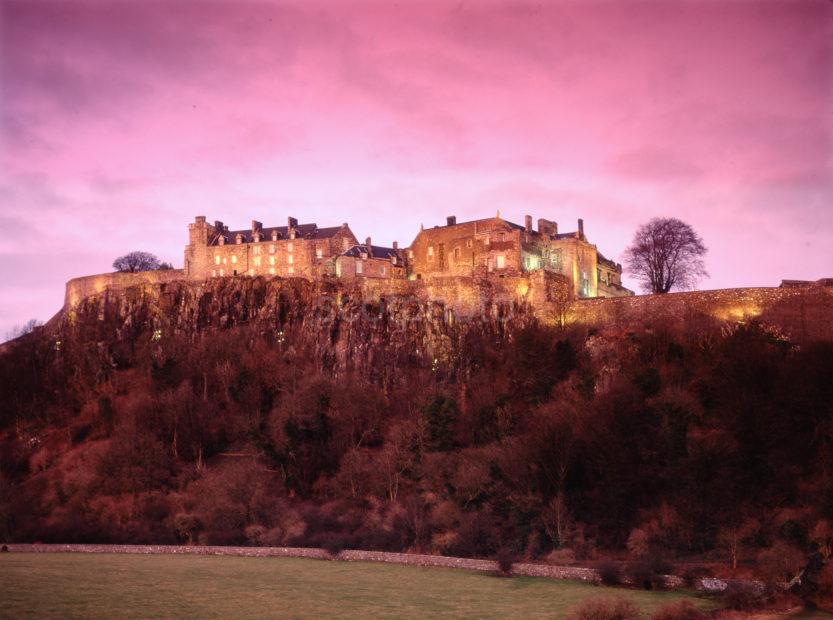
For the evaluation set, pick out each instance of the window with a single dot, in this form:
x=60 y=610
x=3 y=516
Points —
x=359 y=267
x=290 y=269
x=501 y=261
x=290 y=259
x=225 y=260
x=256 y=250
x=271 y=248
x=272 y=270
x=216 y=259
x=457 y=254
x=222 y=273
x=487 y=240
x=430 y=253
x=257 y=261
x=288 y=247
x=234 y=259
x=213 y=273
x=251 y=272
x=271 y=260
x=410 y=253
x=319 y=253
x=382 y=271
x=468 y=243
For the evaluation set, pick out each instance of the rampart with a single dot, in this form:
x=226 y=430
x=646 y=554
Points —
x=81 y=288
x=802 y=313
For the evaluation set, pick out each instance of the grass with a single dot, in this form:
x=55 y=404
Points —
x=164 y=586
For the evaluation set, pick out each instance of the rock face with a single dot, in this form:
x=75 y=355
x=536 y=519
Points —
x=342 y=326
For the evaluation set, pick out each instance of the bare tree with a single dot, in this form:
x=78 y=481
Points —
x=666 y=253
x=139 y=261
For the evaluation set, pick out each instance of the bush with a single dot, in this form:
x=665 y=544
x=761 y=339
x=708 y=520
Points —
x=642 y=574
x=606 y=609
x=505 y=560
x=681 y=610
x=743 y=597
x=609 y=574
x=561 y=557
x=693 y=574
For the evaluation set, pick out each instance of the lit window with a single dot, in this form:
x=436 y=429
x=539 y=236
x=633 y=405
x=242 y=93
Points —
x=501 y=261
x=359 y=267
x=225 y=260
x=234 y=259
x=213 y=273
x=271 y=260
x=410 y=253
x=257 y=261
x=291 y=269
x=290 y=259
x=272 y=270
x=272 y=249
x=222 y=273
x=216 y=259
x=256 y=250
x=319 y=253
x=430 y=250
x=251 y=272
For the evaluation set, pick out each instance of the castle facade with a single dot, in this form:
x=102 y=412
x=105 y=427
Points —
x=491 y=247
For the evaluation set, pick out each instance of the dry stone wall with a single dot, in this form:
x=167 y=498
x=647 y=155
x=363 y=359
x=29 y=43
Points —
x=573 y=573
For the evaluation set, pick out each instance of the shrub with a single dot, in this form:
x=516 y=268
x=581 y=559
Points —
x=642 y=575
x=693 y=574
x=561 y=557
x=505 y=560
x=609 y=574
x=681 y=610
x=606 y=609
x=743 y=597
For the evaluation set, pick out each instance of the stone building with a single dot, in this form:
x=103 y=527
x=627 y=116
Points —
x=371 y=261
x=497 y=247
x=294 y=250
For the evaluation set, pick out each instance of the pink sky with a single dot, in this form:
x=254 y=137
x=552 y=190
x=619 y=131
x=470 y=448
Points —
x=121 y=121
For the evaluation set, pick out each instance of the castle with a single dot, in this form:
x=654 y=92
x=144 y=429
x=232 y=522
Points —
x=491 y=247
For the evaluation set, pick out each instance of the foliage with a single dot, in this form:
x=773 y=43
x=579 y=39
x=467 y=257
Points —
x=606 y=609
x=694 y=443
x=666 y=253
x=139 y=261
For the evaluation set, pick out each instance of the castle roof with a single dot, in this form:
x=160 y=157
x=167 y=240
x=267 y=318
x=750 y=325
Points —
x=376 y=251
x=302 y=231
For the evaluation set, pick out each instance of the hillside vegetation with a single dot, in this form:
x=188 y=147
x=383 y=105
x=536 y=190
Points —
x=654 y=443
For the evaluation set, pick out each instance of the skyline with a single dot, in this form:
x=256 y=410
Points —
x=122 y=121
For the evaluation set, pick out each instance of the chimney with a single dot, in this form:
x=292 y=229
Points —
x=218 y=225
x=528 y=223
x=367 y=244
x=451 y=220
x=256 y=226
x=291 y=222
x=547 y=227
x=580 y=228
x=200 y=219
x=395 y=245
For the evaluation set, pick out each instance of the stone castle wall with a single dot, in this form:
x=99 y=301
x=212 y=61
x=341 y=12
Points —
x=802 y=313
x=81 y=288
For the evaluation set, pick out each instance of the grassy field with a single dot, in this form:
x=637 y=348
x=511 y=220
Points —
x=119 y=586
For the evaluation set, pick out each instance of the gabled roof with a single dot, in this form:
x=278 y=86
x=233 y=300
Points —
x=302 y=231
x=376 y=251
